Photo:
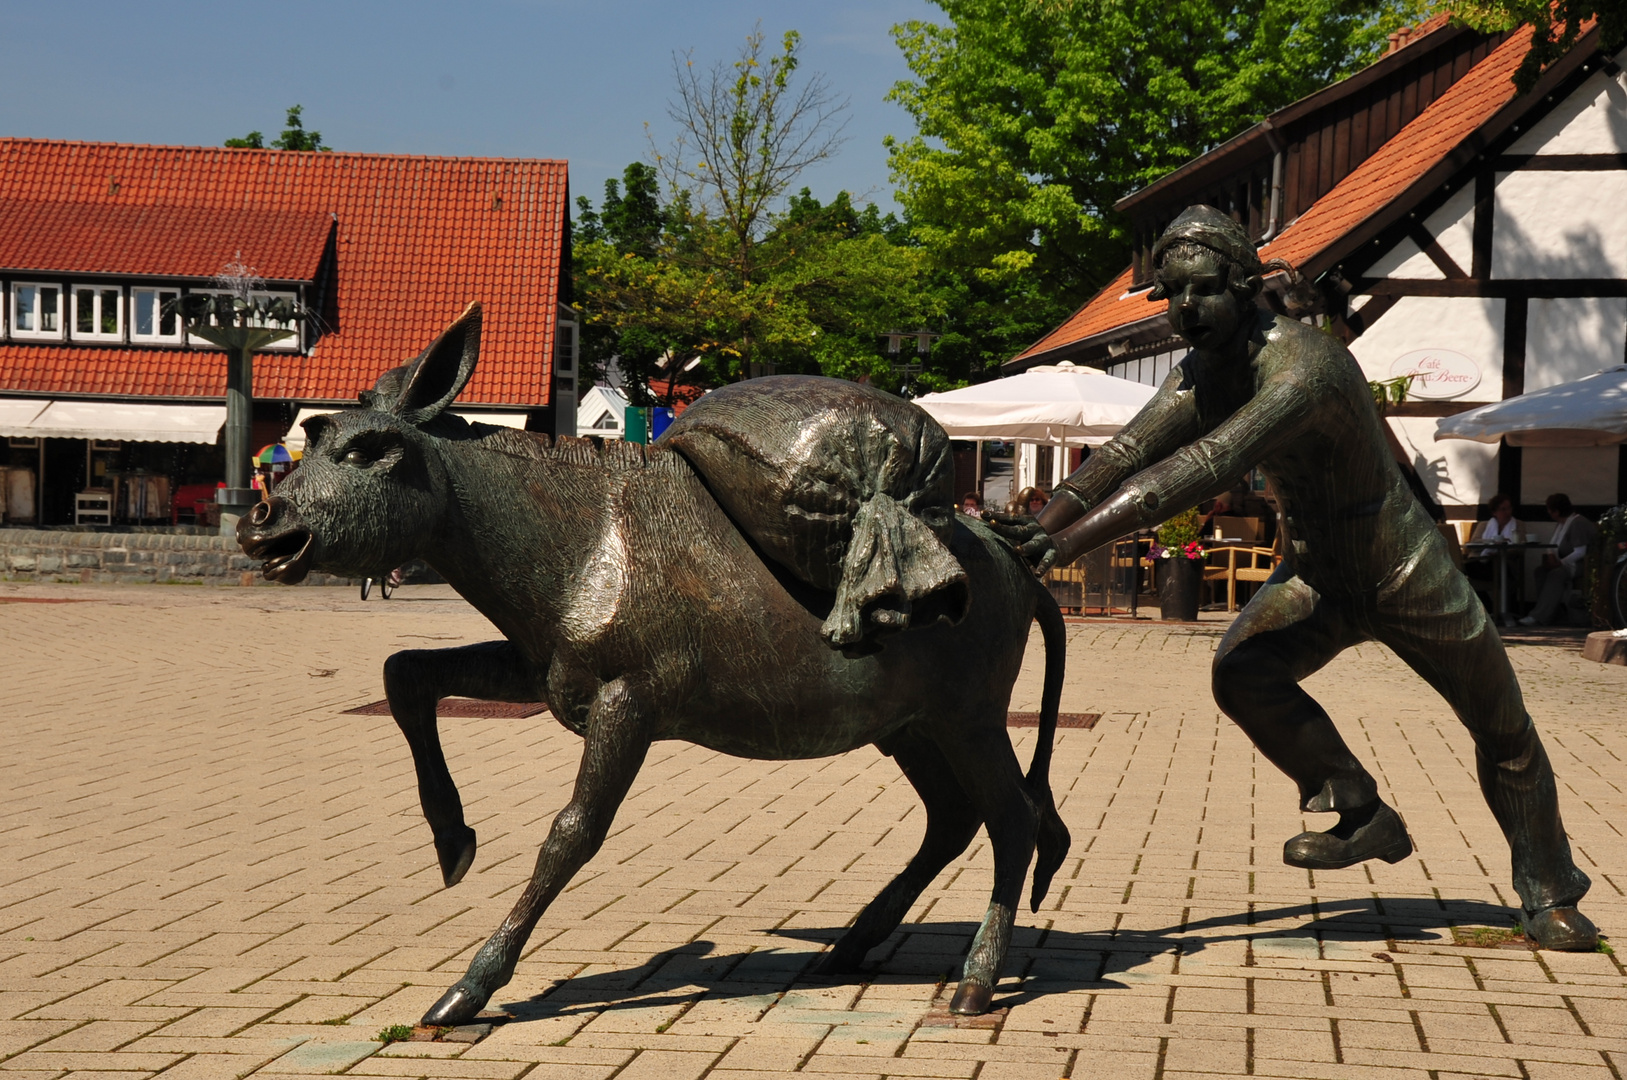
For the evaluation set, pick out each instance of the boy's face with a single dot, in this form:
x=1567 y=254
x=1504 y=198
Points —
x=1202 y=308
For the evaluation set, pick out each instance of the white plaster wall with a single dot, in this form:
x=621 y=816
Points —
x=1027 y=467
x=1405 y=260
x=1456 y=471
x=1471 y=325
x=1586 y=473
x=1560 y=225
x=1593 y=120
x=1452 y=226
x=1572 y=337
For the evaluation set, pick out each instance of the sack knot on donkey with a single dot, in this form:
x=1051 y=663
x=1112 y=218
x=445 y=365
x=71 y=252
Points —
x=646 y=594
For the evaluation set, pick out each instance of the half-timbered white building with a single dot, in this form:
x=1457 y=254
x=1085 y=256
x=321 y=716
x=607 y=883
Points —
x=1478 y=244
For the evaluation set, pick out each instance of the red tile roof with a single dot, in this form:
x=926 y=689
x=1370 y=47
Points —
x=1398 y=164
x=1395 y=169
x=1107 y=310
x=417 y=238
x=169 y=241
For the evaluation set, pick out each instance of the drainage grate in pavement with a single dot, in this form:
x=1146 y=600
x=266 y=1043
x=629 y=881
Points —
x=1084 y=720
x=465 y=708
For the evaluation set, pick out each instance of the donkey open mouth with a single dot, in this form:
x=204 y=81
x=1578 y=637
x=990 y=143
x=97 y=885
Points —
x=286 y=555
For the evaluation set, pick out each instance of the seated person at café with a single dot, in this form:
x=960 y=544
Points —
x=1559 y=570
x=971 y=504
x=1501 y=527
x=1221 y=507
x=1030 y=501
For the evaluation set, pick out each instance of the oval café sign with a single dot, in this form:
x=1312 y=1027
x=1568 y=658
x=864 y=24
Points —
x=1437 y=374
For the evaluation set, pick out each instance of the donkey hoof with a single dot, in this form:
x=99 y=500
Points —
x=457 y=854
x=971 y=999
x=458 y=1005
x=836 y=963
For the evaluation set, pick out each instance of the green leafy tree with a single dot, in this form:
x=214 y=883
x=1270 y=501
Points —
x=1555 y=27
x=654 y=283
x=293 y=137
x=1034 y=117
x=728 y=274
x=744 y=132
x=626 y=295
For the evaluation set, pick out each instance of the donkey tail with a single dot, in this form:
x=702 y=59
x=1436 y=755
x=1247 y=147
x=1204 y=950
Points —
x=1053 y=837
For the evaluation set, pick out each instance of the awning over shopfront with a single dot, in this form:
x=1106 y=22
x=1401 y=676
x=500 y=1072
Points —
x=295 y=439
x=110 y=421
x=17 y=413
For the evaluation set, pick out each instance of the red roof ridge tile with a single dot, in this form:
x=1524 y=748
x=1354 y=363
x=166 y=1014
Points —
x=321 y=154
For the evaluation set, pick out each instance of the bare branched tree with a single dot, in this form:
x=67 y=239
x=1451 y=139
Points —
x=745 y=132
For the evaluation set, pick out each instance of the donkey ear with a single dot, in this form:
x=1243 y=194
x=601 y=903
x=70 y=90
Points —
x=436 y=378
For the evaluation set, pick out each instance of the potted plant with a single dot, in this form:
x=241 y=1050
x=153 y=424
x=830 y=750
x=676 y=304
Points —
x=1180 y=575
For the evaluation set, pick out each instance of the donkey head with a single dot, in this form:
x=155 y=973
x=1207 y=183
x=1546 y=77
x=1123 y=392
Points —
x=372 y=485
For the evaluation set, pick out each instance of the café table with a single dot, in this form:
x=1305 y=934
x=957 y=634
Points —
x=1500 y=550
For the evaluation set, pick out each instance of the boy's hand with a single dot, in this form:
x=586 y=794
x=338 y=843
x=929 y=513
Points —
x=1027 y=535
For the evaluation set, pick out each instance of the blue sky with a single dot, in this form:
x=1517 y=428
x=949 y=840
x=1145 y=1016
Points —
x=506 y=78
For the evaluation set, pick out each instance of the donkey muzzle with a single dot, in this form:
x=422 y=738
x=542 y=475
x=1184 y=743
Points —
x=283 y=546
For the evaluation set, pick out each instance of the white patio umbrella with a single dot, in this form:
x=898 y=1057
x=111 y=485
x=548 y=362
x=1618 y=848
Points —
x=1061 y=404
x=1587 y=412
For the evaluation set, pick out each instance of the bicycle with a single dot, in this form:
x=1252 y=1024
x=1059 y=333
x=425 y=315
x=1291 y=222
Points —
x=1618 y=593
x=388 y=584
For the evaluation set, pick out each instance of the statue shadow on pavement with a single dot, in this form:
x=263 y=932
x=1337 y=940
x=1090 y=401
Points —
x=1050 y=961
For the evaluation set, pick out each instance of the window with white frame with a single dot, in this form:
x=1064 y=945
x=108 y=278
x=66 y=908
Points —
x=97 y=313
x=151 y=316
x=290 y=343
x=36 y=311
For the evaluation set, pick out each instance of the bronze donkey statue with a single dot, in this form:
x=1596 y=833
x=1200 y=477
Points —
x=639 y=610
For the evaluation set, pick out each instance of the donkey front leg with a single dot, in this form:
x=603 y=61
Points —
x=415 y=681
x=618 y=736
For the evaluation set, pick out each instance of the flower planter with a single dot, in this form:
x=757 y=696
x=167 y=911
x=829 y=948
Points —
x=1180 y=581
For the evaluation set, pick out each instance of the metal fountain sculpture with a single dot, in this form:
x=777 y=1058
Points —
x=783 y=577
x=237 y=321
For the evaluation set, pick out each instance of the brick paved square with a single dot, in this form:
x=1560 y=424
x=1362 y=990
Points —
x=208 y=869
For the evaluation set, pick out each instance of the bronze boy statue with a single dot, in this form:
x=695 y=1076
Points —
x=1364 y=562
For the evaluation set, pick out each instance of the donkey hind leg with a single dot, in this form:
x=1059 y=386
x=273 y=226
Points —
x=987 y=768
x=617 y=740
x=951 y=823
x=414 y=682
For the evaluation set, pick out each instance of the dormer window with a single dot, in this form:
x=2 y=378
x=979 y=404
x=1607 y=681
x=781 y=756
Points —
x=97 y=314
x=149 y=319
x=36 y=311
